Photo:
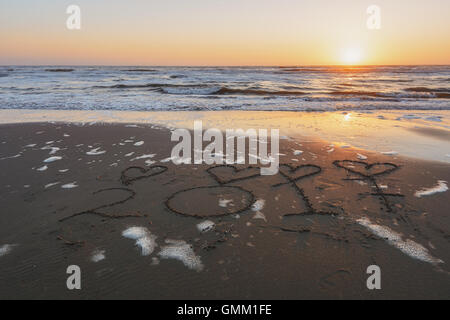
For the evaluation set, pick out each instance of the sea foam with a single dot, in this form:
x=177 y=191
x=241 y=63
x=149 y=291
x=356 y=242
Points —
x=95 y=152
x=181 y=251
x=144 y=239
x=52 y=159
x=440 y=187
x=5 y=249
x=98 y=255
x=205 y=226
x=408 y=246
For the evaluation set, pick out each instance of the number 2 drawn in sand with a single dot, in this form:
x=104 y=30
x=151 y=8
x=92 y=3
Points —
x=126 y=180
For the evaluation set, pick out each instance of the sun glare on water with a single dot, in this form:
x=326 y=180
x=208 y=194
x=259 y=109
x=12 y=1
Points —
x=351 y=56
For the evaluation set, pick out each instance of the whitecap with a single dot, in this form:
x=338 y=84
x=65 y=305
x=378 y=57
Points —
x=139 y=143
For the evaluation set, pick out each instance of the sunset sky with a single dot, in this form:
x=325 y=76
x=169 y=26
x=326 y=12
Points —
x=224 y=32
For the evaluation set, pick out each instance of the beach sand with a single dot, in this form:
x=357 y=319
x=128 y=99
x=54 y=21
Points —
x=104 y=197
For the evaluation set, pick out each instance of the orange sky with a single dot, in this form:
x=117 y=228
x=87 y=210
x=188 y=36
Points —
x=224 y=32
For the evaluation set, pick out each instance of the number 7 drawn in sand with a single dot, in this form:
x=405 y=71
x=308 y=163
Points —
x=370 y=172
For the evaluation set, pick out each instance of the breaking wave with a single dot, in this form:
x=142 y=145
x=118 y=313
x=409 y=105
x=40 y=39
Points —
x=225 y=88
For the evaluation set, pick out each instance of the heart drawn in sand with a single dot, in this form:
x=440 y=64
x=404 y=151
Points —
x=224 y=174
x=296 y=173
x=365 y=169
x=132 y=174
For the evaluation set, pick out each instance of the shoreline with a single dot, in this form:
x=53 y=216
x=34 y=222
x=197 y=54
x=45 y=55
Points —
x=417 y=134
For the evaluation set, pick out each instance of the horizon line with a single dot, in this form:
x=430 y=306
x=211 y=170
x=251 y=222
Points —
x=220 y=66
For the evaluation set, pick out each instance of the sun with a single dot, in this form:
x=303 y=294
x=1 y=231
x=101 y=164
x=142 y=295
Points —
x=351 y=56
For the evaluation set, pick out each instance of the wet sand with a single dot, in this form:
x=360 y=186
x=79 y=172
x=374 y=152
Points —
x=154 y=230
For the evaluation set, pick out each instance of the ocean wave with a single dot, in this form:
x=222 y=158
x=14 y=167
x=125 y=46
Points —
x=164 y=87
x=221 y=88
x=365 y=69
x=189 y=90
x=227 y=91
x=59 y=70
x=128 y=86
x=139 y=70
x=420 y=93
x=355 y=93
x=256 y=92
x=424 y=89
x=394 y=80
x=203 y=89
x=334 y=69
x=314 y=106
x=440 y=93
